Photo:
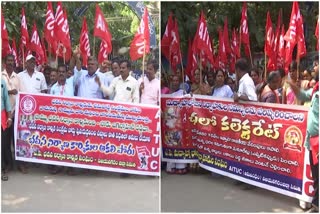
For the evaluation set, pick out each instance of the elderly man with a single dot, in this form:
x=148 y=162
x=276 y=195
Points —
x=85 y=81
x=124 y=87
x=32 y=81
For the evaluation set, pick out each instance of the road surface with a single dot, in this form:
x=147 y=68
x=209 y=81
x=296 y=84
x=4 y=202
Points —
x=39 y=191
x=203 y=193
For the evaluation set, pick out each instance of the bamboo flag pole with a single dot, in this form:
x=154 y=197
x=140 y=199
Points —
x=200 y=70
x=22 y=57
x=94 y=42
x=182 y=72
x=143 y=59
x=250 y=57
x=265 y=66
x=240 y=41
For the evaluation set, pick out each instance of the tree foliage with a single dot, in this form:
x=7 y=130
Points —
x=187 y=14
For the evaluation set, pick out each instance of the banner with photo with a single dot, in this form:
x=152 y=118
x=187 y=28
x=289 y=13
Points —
x=257 y=143
x=88 y=133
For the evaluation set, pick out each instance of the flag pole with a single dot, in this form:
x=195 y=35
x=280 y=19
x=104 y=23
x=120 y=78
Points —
x=265 y=66
x=200 y=69
x=240 y=41
x=250 y=56
x=143 y=59
x=183 y=77
x=22 y=57
x=94 y=42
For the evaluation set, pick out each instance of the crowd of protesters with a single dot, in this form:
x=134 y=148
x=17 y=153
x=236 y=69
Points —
x=111 y=80
x=251 y=84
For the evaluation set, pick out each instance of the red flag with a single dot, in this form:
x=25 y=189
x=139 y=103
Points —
x=61 y=27
x=301 y=50
x=24 y=29
x=291 y=34
x=277 y=35
x=269 y=38
x=6 y=49
x=222 y=51
x=281 y=49
x=101 y=29
x=316 y=33
x=103 y=53
x=175 y=52
x=140 y=44
x=202 y=39
x=84 y=42
x=226 y=36
x=35 y=44
x=14 y=51
x=49 y=29
x=234 y=51
x=244 y=30
x=192 y=62
x=269 y=43
x=166 y=38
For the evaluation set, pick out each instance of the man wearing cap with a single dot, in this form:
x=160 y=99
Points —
x=32 y=81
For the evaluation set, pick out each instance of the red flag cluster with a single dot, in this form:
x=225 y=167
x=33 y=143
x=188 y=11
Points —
x=294 y=36
x=170 y=43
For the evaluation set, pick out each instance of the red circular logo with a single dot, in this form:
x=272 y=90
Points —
x=28 y=104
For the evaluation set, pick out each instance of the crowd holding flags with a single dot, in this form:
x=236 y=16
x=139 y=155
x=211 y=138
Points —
x=57 y=37
x=278 y=46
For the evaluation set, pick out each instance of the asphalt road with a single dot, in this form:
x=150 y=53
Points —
x=39 y=191
x=203 y=193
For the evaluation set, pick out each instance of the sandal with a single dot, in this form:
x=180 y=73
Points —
x=171 y=171
x=181 y=171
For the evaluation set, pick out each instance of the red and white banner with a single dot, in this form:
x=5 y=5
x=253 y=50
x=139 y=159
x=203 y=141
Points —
x=166 y=38
x=140 y=44
x=257 y=143
x=14 y=51
x=88 y=133
x=244 y=30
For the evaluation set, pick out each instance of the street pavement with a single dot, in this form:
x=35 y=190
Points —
x=203 y=193
x=89 y=191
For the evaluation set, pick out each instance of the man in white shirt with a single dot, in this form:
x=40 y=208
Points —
x=32 y=81
x=150 y=85
x=246 y=91
x=85 y=80
x=125 y=87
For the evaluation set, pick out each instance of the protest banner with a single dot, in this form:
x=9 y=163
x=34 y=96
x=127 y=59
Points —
x=257 y=143
x=87 y=133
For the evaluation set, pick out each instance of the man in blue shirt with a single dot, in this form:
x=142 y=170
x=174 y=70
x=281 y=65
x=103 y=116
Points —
x=85 y=80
